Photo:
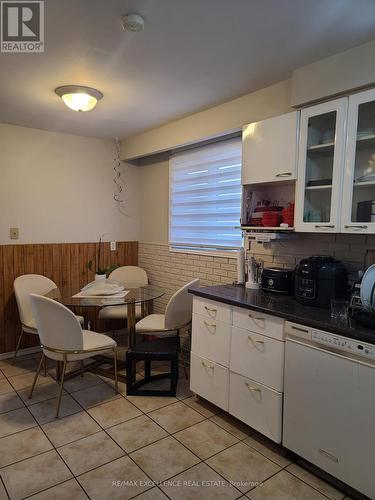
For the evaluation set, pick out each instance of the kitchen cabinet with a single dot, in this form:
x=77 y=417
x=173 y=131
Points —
x=321 y=154
x=358 y=206
x=269 y=149
x=237 y=362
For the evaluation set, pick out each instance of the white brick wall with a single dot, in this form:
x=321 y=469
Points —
x=171 y=270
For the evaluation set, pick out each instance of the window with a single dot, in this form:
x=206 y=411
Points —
x=205 y=197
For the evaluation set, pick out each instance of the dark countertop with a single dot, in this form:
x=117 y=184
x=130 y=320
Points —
x=287 y=308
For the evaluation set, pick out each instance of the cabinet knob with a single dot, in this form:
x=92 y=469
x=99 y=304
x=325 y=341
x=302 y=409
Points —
x=209 y=326
x=284 y=174
x=206 y=365
x=251 y=388
x=255 y=341
x=356 y=226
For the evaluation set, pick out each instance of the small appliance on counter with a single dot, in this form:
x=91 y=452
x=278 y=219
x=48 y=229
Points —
x=366 y=315
x=319 y=279
x=278 y=280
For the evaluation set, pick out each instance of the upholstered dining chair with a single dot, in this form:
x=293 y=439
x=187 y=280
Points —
x=62 y=338
x=130 y=277
x=178 y=315
x=23 y=286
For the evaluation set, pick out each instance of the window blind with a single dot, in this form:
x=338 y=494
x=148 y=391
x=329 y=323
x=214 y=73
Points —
x=205 y=197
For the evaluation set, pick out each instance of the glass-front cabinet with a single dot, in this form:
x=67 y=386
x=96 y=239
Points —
x=320 y=167
x=358 y=206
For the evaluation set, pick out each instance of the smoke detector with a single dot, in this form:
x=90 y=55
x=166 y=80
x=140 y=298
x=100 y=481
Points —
x=133 y=22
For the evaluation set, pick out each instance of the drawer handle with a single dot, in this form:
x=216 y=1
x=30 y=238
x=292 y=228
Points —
x=284 y=174
x=206 y=365
x=299 y=329
x=251 y=388
x=256 y=343
x=210 y=325
x=256 y=318
x=356 y=226
x=324 y=226
x=329 y=455
x=211 y=310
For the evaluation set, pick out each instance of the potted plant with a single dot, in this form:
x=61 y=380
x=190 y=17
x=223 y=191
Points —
x=100 y=272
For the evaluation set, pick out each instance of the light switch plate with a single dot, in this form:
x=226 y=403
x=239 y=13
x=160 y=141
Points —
x=14 y=233
x=113 y=246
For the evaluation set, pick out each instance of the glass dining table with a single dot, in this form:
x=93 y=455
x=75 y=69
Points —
x=142 y=296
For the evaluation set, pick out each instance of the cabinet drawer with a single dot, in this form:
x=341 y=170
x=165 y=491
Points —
x=211 y=339
x=209 y=380
x=258 y=322
x=257 y=357
x=213 y=310
x=256 y=405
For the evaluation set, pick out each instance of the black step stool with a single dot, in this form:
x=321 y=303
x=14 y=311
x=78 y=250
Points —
x=166 y=349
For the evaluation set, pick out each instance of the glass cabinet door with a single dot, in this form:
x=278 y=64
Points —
x=359 y=183
x=322 y=139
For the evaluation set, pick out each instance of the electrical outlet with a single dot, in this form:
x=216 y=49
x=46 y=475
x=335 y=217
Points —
x=14 y=233
x=113 y=246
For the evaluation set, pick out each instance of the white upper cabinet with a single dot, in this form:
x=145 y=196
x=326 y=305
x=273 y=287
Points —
x=320 y=167
x=358 y=207
x=270 y=149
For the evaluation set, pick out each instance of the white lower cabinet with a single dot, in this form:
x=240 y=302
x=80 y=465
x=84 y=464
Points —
x=256 y=405
x=258 y=357
x=210 y=380
x=237 y=360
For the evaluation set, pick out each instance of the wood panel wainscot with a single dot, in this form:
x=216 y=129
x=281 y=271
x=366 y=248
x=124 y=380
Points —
x=64 y=263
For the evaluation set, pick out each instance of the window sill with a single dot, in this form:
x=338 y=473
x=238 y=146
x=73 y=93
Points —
x=229 y=254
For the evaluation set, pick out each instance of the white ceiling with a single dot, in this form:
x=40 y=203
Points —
x=193 y=54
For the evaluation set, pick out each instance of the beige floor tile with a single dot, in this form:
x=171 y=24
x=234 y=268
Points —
x=153 y=494
x=41 y=392
x=204 y=407
x=63 y=491
x=147 y=403
x=23 y=445
x=232 y=425
x=315 y=481
x=1 y=375
x=25 y=380
x=176 y=417
x=78 y=383
x=10 y=401
x=114 y=412
x=16 y=421
x=205 y=439
x=46 y=410
x=164 y=459
x=30 y=476
x=111 y=383
x=3 y=493
x=268 y=448
x=20 y=367
x=95 y=395
x=285 y=486
x=243 y=466
x=136 y=433
x=119 y=480
x=90 y=452
x=200 y=481
x=5 y=386
x=68 y=429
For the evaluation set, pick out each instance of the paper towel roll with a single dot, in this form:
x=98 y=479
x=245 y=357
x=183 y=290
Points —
x=241 y=266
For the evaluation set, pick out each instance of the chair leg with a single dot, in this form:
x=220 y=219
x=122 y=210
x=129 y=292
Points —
x=45 y=366
x=17 y=348
x=36 y=375
x=115 y=367
x=61 y=387
x=82 y=367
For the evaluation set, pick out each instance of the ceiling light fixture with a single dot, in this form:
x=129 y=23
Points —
x=79 y=98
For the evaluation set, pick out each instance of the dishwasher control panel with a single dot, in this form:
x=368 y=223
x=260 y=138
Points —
x=343 y=344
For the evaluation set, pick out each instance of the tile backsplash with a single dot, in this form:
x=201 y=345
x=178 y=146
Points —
x=170 y=270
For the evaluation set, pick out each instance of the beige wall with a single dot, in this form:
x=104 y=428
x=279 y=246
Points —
x=334 y=75
x=59 y=188
x=213 y=122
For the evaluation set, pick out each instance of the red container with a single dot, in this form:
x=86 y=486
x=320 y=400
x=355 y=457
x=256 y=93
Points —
x=271 y=219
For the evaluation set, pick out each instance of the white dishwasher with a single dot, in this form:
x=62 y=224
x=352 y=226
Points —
x=329 y=404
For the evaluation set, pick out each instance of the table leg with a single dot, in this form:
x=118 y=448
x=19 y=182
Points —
x=131 y=323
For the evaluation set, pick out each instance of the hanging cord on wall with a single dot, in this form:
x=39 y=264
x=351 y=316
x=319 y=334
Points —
x=120 y=184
